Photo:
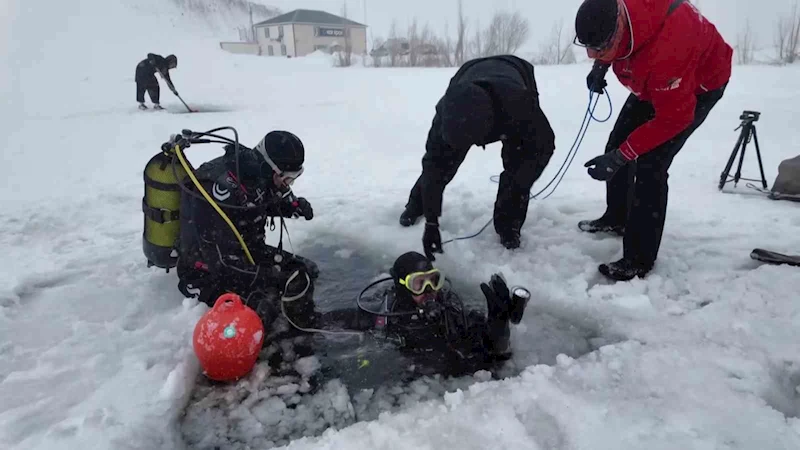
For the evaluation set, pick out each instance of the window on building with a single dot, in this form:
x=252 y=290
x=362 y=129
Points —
x=266 y=32
x=280 y=31
x=283 y=50
x=270 y=51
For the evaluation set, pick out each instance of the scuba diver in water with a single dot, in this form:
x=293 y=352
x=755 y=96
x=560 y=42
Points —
x=425 y=318
x=213 y=259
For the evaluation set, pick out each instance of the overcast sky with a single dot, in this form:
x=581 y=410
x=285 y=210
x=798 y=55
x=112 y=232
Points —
x=729 y=15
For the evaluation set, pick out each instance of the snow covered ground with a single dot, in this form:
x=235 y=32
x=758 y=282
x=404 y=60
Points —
x=95 y=348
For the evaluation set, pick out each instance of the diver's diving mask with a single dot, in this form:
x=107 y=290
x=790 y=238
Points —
x=417 y=282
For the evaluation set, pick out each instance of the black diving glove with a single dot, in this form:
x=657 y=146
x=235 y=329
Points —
x=596 y=80
x=432 y=240
x=498 y=298
x=298 y=208
x=605 y=166
x=304 y=209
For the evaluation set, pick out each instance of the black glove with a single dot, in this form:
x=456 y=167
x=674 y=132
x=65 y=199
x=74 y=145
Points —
x=596 y=80
x=299 y=208
x=606 y=165
x=432 y=240
x=497 y=296
x=304 y=209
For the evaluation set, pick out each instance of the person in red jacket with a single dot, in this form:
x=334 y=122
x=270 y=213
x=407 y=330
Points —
x=677 y=66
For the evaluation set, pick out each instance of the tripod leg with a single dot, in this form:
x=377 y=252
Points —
x=746 y=134
x=724 y=177
x=758 y=153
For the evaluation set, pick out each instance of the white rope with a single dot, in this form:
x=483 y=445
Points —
x=285 y=299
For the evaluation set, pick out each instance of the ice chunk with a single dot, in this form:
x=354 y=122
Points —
x=307 y=366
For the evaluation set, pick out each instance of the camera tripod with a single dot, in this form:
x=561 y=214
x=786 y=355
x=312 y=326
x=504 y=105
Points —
x=748 y=132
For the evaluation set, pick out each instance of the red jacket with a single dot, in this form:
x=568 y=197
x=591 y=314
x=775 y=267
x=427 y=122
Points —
x=674 y=58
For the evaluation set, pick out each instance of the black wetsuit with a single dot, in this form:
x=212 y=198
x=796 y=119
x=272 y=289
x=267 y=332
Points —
x=211 y=259
x=457 y=338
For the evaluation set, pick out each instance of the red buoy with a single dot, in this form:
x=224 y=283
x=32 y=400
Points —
x=228 y=339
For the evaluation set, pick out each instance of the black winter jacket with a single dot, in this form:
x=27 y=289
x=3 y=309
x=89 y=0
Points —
x=147 y=68
x=519 y=121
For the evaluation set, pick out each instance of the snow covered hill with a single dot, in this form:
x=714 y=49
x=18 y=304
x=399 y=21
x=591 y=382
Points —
x=95 y=348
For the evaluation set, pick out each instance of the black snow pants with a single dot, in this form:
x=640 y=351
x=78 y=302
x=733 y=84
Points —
x=636 y=197
x=152 y=88
x=516 y=180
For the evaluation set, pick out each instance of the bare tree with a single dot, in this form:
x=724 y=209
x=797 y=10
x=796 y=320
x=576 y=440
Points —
x=461 y=33
x=787 y=37
x=414 y=41
x=558 y=49
x=377 y=56
x=345 y=54
x=476 y=46
x=745 y=45
x=428 y=48
x=444 y=46
x=394 y=51
x=506 y=33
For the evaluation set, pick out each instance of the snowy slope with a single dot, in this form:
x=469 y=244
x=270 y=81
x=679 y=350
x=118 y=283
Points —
x=95 y=349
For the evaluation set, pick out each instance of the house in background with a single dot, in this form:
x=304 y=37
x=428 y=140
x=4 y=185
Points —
x=303 y=31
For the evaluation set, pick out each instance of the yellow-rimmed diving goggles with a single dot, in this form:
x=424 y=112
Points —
x=416 y=282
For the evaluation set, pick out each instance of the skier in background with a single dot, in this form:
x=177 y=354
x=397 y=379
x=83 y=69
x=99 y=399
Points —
x=146 y=78
x=677 y=66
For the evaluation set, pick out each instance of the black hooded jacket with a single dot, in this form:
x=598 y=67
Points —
x=147 y=68
x=519 y=121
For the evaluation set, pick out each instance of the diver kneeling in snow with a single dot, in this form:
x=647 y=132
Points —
x=423 y=315
x=212 y=258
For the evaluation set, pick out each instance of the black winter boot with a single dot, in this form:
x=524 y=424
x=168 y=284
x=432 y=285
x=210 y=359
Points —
x=409 y=217
x=623 y=270
x=601 y=225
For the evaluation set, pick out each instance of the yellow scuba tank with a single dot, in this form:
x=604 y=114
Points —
x=161 y=208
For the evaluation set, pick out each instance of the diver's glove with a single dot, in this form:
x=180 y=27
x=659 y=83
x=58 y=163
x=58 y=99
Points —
x=304 y=209
x=299 y=207
x=432 y=240
x=497 y=296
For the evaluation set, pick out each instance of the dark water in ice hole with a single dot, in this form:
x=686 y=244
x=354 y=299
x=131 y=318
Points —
x=352 y=379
